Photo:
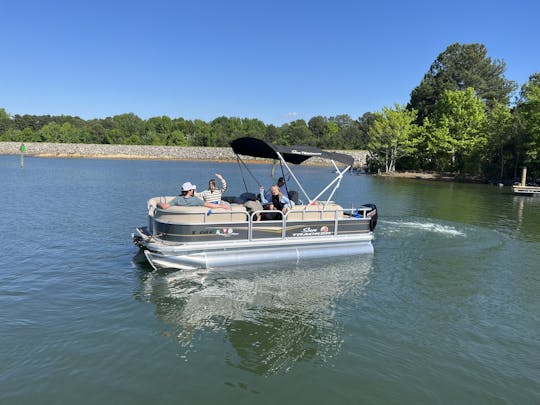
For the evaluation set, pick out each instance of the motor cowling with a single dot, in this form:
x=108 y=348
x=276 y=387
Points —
x=373 y=216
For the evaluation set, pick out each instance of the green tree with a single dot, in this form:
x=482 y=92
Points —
x=392 y=136
x=94 y=132
x=365 y=122
x=5 y=121
x=330 y=135
x=69 y=133
x=136 y=140
x=463 y=115
x=10 y=135
x=26 y=135
x=297 y=133
x=186 y=127
x=316 y=126
x=201 y=135
x=151 y=137
x=157 y=131
x=115 y=136
x=3 y=114
x=435 y=147
x=251 y=127
x=177 y=138
x=348 y=133
x=271 y=134
x=225 y=130
x=499 y=131
x=221 y=128
x=458 y=67
x=50 y=133
x=161 y=125
x=124 y=126
x=528 y=111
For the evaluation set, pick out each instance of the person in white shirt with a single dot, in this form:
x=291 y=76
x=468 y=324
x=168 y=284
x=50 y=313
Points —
x=213 y=194
x=187 y=198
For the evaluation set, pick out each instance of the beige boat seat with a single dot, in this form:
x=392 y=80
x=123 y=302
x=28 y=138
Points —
x=315 y=212
x=188 y=214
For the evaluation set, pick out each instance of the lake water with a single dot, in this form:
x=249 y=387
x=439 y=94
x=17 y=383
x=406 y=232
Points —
x=447 y=309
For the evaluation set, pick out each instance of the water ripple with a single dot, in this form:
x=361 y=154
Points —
x=434 y=227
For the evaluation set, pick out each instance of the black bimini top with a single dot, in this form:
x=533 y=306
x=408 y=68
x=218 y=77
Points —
x=296 y=154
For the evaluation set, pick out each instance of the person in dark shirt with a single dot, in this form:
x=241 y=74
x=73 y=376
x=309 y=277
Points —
x=277 y=200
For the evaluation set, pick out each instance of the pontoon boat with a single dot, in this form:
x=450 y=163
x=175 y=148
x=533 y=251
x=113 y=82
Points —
x=193 y=238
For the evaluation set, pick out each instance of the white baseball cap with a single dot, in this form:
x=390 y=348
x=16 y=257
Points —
x=188 y=186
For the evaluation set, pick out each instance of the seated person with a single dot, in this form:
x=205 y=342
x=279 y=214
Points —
x=282 y=186
x=292 y=195
x=187 y=198
x=282 y=189
x=252 y=206
x=277 y=201
x=249 y=200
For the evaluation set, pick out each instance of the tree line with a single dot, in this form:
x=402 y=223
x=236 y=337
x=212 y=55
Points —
x=460 y=119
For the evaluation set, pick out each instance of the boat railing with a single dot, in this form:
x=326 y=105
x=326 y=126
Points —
x=273 y=224
x=303 y=214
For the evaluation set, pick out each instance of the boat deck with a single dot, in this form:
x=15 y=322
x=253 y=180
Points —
x=526 y=190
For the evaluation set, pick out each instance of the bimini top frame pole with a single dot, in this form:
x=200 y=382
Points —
x=296 y=154
x=337 y=180
x=294 y=177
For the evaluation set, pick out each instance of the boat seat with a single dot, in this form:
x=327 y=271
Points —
x=315 y=212
x=293 y=195
x=189 y=214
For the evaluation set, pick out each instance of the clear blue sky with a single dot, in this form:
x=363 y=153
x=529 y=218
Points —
x=272 y=60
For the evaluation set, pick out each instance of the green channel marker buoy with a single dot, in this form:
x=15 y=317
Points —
x=23 y=151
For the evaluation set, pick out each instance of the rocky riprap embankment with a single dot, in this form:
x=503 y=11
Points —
x=79 y=150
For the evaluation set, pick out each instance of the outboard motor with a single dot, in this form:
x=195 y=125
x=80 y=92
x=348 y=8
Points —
x=373 y=215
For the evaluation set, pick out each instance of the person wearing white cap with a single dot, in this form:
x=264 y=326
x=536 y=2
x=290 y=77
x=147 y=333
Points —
x=188 y=199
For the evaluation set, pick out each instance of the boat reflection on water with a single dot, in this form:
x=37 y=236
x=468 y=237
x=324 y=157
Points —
x=273 y=317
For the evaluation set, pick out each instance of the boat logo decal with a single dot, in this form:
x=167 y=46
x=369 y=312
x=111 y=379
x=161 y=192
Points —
x=226 y=232
x=309 y=231
x=306 y=153
x=216 y=231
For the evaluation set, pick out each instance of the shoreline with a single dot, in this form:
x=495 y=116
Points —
x=147 y=152
x=192 y=154
x=435 y=176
